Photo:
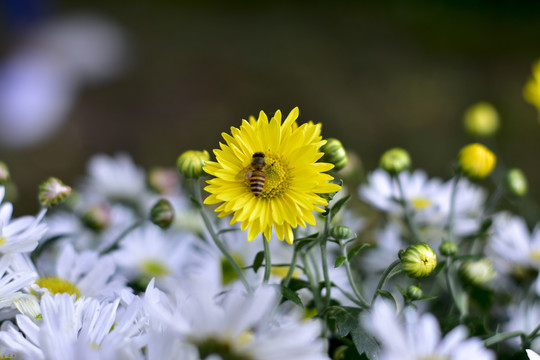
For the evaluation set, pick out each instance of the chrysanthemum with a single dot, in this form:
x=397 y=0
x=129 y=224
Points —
x=293 y=181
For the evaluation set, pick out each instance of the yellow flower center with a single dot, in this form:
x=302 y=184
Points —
x=535 y=255
x=420 y=203
x=2 y=240
x=57 y=285
x=154 y=268
x=277 y=176
x=281 y=271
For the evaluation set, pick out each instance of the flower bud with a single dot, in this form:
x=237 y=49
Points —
x=395 y=161
x=414 y=292
x=477 y=272
x=191 y=163
x=448 y=248
x=334 y=153
x=341 y=232
x=516 y=182
x=163 y=181
x=162 y=213
x=98 y=217
x=52 y=191
x=418 y=260
x=476 y=161
x=481 y=120
x=4 y=173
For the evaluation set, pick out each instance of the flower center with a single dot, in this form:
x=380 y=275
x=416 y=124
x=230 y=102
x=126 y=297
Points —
x=2 y=240
x=154 y=268
x=226 y=351
x=420 y=203
x=535 y=255
x=57 y=285
x=277 y=177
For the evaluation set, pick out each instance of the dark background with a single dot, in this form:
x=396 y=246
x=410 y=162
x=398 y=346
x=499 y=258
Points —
x=377 y=74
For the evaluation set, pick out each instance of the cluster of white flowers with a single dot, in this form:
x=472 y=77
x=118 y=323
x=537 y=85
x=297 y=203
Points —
x=96 y=278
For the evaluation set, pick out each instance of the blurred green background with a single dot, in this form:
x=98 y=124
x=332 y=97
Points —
x=377 y=74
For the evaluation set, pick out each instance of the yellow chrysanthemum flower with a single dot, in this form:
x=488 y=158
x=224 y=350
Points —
x=291 y=180
x=531 y=91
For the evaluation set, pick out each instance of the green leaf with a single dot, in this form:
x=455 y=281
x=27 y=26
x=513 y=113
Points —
x=355 y=250
x=257 y=262
x=339 y=261
x=305 y=241
x=297 y=284
x=387 y=294
x=338 y=205
x=291 y=295
x=345 y=318
x=365 y=344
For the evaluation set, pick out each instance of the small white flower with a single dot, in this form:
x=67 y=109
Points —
x=523 y=317
x=21 y=234
x=513 y=248
x=419 y=337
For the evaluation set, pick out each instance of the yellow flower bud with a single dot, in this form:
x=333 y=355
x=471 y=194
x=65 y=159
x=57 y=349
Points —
x=448 y=248
x=4 y=173
x=334 y=153
x=414 y=292
x=191 y=163
x=341 y=232
x=481 y=120
x=418 y=260
x=476 y=161
x=395 y=161
x=516 y=182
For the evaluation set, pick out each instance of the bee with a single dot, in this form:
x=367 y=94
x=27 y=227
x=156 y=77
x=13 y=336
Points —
x=257 y=176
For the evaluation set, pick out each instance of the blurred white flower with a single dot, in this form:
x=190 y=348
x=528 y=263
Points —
x=419 y=337
x=524 y=317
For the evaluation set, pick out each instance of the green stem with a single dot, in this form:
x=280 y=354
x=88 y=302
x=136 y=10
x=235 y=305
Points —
x=362 y=302
x=452 y=289
x=313 y=282
x=267 y=260
x=323 y=240
x=407 y=211
x=451 y=216
x=387 y=274
x=292 y=267
x=501 y=337
x=124 y=233
x=219 y=244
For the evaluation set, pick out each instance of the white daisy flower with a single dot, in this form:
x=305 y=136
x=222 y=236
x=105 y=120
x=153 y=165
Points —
x=12 y=281
x=21 y=234
x=84 y=274
x=76 y=329
x=237 y=324
x=149 y=252
x=419 y=337
x=429 y=198
x=116 y=179
x=513 y=248
x=524 y=317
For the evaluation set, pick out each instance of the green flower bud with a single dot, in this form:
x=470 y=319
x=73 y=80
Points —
x=516 y=182
x=477 y=272
x=98 y=217
x=162 y=213
x=395 y=161
x=418 y=260
x=191 y=163
x=414 y=292
x=52 y=191
x=334 y=153
x=4 y=173
x=476 y=161
x=448 y=248
x=341 y=232
x=481 y=120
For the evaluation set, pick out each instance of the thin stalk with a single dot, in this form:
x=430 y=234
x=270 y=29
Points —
x=451 y=216
x=267 y=260
x=406 y=210
x=124 y=233
x=219 y=244
x=323 y=241
x=292 y=267
x=362 y=302
x=501 y=337
x=384 y=278
x=452 y=290
x=313 y=282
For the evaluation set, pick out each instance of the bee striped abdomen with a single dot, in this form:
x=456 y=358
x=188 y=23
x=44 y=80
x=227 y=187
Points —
x=256 y=181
